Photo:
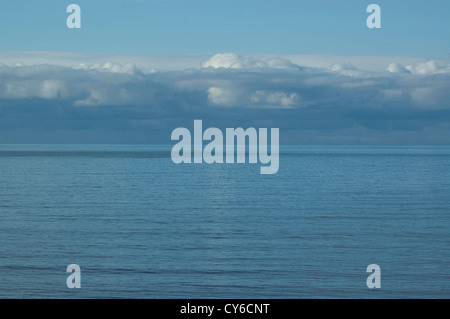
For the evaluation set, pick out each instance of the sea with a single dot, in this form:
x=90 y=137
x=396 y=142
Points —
x=140 y=226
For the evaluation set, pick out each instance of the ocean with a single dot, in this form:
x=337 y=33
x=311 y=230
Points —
x=140 y=226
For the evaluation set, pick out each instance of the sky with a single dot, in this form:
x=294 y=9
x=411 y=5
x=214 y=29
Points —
x=207 y=27
x=136 y=70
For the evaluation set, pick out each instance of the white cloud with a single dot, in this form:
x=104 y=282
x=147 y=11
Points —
x=348 y=70
x=145 y=63
x=52 y=89
x=234 y=61
x=429 y=67
x=126 y=63
x=222 y=96
x=129 y=68
x=33 y=88
x=396 y=68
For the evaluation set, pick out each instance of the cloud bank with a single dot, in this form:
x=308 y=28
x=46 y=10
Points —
x=328 y=100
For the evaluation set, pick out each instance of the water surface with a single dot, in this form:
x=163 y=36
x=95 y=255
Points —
x=141 y=226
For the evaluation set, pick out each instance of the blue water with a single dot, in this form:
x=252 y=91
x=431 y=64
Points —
x=140 y=226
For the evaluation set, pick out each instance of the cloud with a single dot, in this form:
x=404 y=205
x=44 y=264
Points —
x=396 y=68
x=348 y=70
x=137 y=102
x=429 y=97
x=221 y=96
x=129 y=68
x=234 y=61
x=428 y=67
x=22 y=89
x=277 y=98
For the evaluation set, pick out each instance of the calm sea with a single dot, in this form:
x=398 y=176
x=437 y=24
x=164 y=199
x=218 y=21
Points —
x=140 y=226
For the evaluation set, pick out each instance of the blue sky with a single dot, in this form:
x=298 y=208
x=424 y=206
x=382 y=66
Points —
x=206 y=27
